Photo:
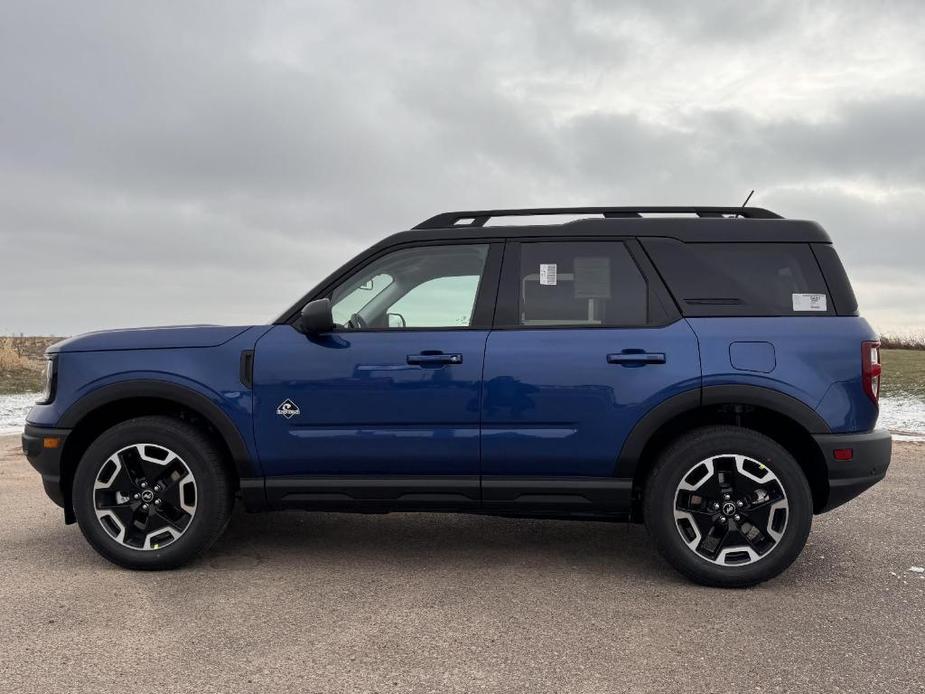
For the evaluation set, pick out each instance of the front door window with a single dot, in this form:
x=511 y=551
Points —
x=425 y=287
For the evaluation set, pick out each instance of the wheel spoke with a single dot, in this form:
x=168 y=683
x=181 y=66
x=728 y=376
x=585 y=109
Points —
x=759 y=515
x=162 y=515
x=123 y=481
x=171 y=473
x=714 y=540
x=155 y=521
x=125 y=513
x=156 y=461
x=111 y=500
x=131 y=458
x=755 y=538
x=171 y=495
x=726 y=478
x=706 y=525
x=693 y=502
x=114 y=486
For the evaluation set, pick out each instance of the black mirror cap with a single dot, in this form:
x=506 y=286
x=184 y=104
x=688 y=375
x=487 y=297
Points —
x=316 y=317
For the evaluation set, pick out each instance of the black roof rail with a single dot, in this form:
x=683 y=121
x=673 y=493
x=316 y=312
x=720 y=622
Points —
x=478 y=218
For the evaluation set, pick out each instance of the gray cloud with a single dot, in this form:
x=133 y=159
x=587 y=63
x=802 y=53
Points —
x=171 y=163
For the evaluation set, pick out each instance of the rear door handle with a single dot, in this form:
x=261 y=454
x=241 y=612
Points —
x=638 y=358
x=434 y=359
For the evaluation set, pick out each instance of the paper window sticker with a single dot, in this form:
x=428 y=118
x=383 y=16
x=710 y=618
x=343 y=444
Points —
x=809 y=302
x=549 y=274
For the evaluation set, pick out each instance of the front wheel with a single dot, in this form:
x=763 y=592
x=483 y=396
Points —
x=728 y=506
x=152 y=493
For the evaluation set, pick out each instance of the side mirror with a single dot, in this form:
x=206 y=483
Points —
x=316 y=317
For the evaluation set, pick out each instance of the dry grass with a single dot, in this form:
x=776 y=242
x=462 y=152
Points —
x=21 y=363
x=12 y=358
x=912 y=340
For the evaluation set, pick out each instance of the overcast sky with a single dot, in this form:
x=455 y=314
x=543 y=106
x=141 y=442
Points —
x=187 y=162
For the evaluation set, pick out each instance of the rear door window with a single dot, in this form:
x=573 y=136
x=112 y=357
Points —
x=741 y=279
x=579 y=283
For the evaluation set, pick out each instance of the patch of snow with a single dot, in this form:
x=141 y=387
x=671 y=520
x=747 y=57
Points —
x=904 y=415
x=13 y=411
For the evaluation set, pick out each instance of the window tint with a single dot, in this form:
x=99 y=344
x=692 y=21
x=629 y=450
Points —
x=440 y=301
x=353 y=300
x=755 y=279
x=593 y=283
x=837 y=279
x=425 y=287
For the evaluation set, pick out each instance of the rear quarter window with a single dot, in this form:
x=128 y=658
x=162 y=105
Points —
x=741 y=279
x=835 y=276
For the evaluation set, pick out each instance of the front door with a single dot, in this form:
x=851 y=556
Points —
x=395 y=388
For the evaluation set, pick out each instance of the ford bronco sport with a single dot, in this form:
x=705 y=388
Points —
x=702 y=370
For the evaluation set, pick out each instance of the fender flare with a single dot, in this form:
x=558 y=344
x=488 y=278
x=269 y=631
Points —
x=773 y=400
x=164 y=390
x=698 y=398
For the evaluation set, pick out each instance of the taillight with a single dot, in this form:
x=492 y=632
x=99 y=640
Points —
x=871 y=369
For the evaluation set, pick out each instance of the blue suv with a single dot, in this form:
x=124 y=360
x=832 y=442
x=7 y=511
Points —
x=702 y=370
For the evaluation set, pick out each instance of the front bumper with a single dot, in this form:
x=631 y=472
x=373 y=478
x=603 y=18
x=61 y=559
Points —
x=870 y=459
x=43 y=448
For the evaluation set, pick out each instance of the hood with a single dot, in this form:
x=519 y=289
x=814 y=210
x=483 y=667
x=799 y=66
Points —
x=149 y=338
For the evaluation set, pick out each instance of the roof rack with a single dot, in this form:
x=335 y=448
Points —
x=478 y=218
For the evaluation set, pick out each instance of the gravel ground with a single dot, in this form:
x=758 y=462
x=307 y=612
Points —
x=435 y=603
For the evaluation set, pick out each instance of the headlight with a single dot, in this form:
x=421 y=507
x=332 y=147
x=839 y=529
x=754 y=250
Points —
x=50 y=376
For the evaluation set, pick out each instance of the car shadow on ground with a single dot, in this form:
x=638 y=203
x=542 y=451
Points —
x=446 y=541
x=436 y=541
x=285 y=541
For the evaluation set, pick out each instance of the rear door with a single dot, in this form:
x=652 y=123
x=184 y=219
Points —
x=586 y=341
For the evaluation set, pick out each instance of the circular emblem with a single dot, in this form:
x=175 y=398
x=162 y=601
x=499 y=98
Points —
x=147 y=495
x=729 y=508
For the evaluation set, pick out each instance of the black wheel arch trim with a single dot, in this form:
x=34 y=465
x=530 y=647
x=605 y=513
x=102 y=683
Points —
x=770 y=399
x=164 y=390
x=698 y=398
x=645 y=428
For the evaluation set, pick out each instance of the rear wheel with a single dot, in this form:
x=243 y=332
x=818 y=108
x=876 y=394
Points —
x=728 y=506
x=152 y=493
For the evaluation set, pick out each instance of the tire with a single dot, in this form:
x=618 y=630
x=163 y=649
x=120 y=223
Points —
x=710 y=541
x=118 y=509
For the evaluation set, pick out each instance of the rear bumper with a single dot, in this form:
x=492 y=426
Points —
x=868 y=465
x=45 y=456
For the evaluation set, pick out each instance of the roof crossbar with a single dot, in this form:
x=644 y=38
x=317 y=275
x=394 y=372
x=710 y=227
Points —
x=478 y=218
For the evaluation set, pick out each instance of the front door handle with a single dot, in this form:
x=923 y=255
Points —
x=636 y=358
x=434 y=359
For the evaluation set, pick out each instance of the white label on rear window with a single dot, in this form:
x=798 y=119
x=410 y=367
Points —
x=549 y=273
x=809 y=302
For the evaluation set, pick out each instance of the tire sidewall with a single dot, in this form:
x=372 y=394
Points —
x=189 y=445
x=700 y=445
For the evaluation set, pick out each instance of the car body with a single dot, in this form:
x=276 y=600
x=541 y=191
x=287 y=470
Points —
x=540 y=370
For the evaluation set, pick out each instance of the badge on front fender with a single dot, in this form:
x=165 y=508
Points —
x=287 y=409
